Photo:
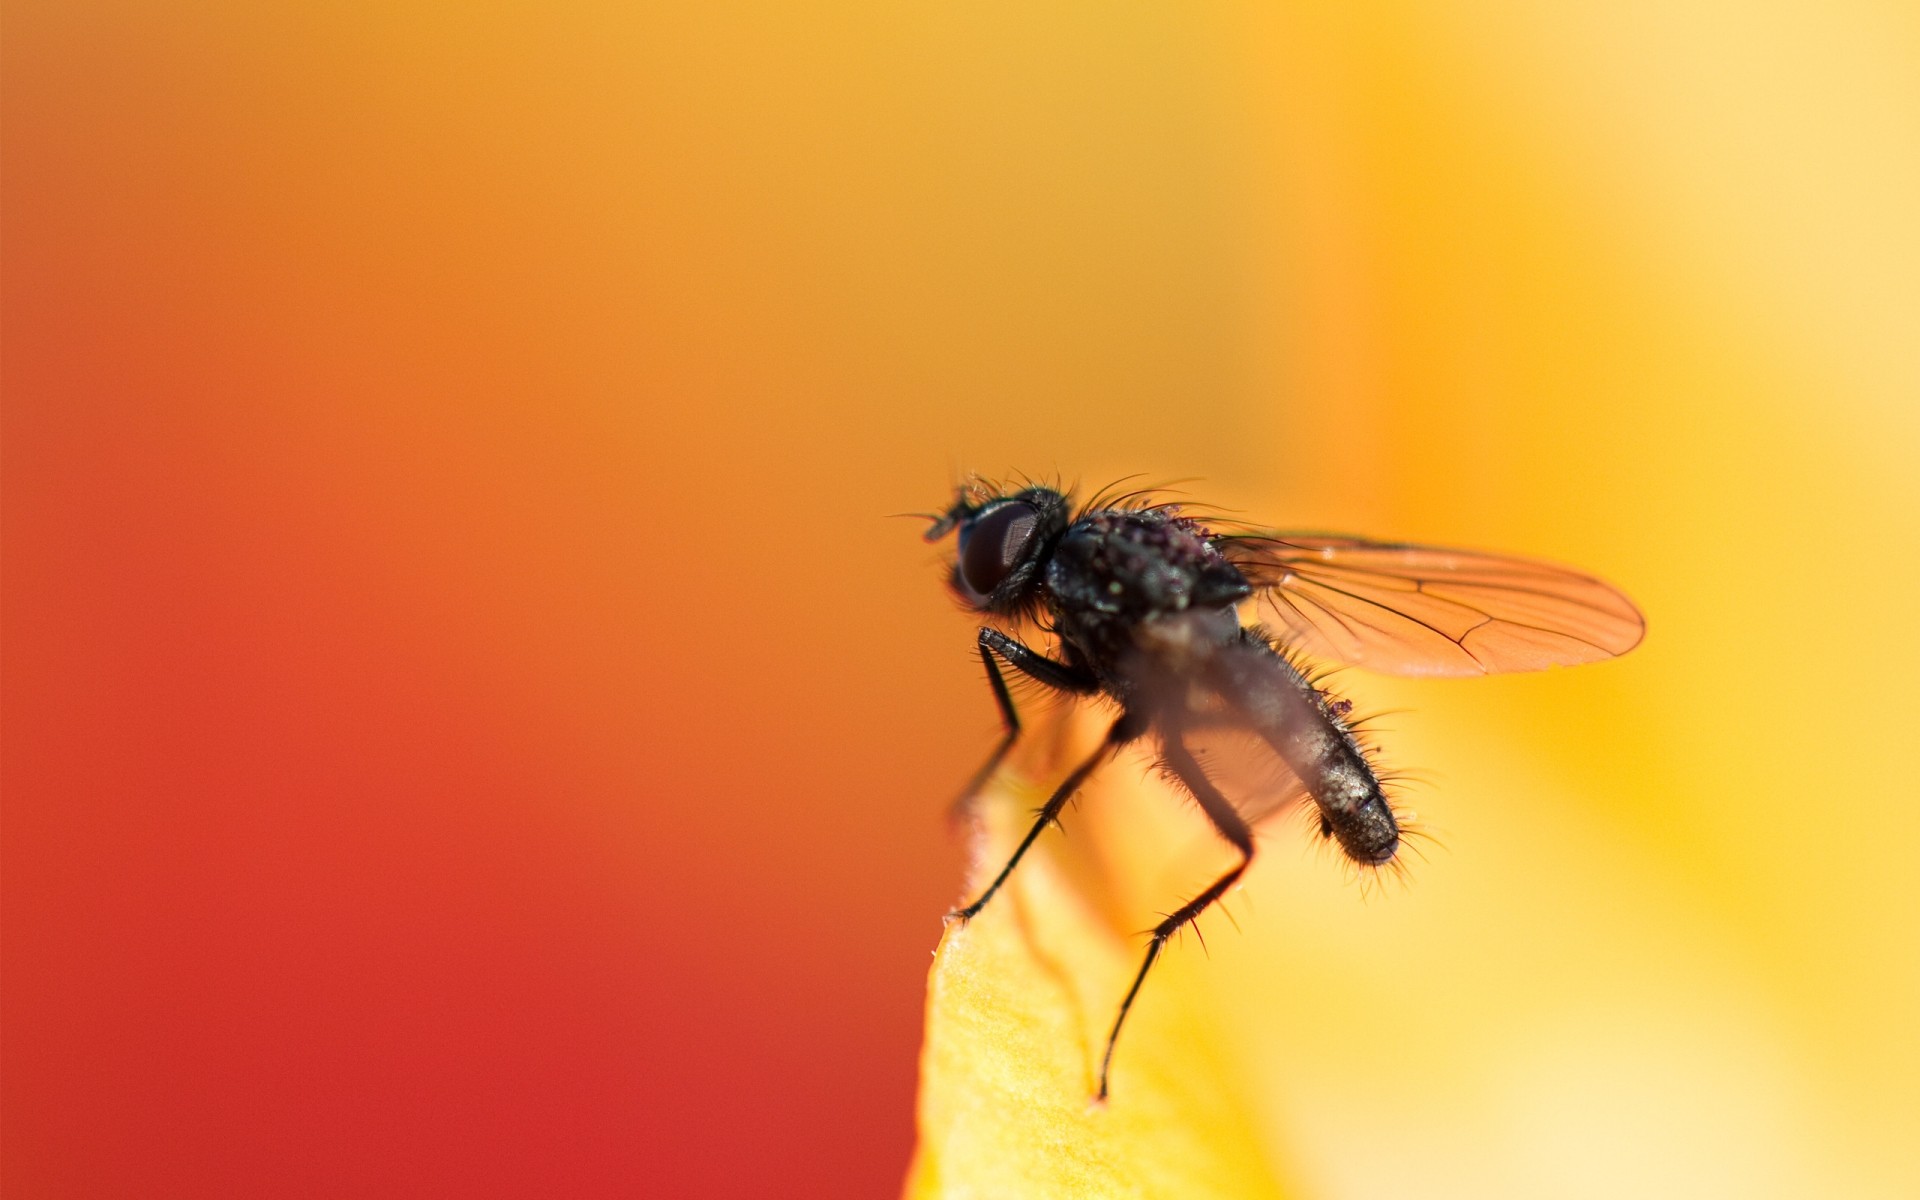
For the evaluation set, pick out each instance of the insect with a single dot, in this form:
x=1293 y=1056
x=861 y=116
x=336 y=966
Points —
x=1143 y=603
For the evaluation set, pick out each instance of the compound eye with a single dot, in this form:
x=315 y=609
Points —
x=993 y=542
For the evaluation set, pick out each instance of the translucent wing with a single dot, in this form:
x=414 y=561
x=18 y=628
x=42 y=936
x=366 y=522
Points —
x=1424 y=610
x=1246 y=769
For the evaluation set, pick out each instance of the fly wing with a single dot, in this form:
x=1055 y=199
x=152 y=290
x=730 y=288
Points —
x=1230 y=709
x=1425 y=610
x=1246 y=770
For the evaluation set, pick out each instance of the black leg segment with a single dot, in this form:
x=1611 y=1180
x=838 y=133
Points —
x=1180 y=763
x=1123 y=730
x=1034 y=665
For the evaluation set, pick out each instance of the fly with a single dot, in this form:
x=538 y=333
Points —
x=1143 y=605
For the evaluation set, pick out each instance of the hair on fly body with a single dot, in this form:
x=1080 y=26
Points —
x=1138 y=602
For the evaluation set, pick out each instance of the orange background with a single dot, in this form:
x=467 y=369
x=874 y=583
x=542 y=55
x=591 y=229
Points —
x=471 y=729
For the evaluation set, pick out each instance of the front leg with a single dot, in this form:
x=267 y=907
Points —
x=1063 y=677
x=1125 y=729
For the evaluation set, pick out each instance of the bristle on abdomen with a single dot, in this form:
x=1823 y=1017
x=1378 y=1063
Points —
x=1309 y=729
x=1354 y=810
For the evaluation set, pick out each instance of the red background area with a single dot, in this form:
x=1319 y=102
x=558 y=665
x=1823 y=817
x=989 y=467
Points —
x=440 y=758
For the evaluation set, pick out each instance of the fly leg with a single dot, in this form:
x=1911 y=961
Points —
x=1180 y=762
x=1123 y=730
x=1059 y=676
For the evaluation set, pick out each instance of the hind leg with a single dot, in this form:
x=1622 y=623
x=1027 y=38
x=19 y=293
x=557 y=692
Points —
x=1181 y=763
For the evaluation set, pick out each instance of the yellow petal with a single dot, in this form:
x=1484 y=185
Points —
x=1019 y=1002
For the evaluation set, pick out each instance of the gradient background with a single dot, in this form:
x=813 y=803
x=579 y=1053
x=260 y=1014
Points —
x=470 y=728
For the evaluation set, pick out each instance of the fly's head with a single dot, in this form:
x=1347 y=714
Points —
x=1004 y=543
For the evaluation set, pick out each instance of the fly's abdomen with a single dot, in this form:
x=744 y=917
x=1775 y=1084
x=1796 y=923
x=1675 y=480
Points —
x=1353 y=810
x=1294 y=717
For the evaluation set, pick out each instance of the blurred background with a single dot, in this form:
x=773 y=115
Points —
x=472 y=728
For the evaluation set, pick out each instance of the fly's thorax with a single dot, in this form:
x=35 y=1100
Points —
x=1114 y=568
x=1179 y=647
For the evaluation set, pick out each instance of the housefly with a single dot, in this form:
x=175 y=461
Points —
x=1142 y=604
